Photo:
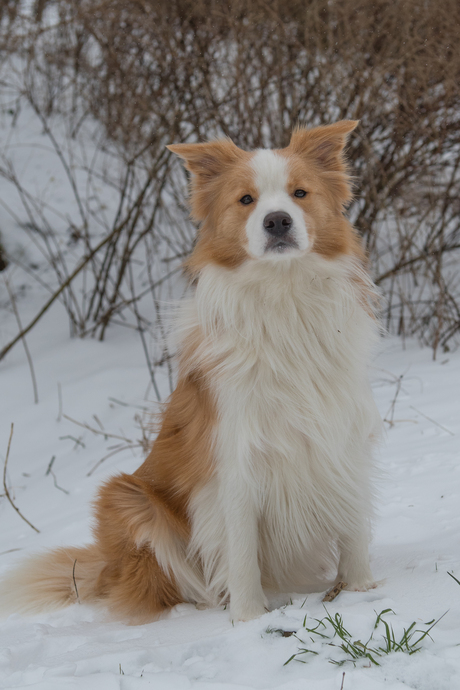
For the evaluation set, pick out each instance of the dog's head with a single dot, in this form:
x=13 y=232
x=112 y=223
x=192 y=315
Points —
x=270 y=205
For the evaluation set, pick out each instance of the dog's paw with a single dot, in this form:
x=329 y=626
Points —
x=247 y=611
x=361 y=586
x=357 y=574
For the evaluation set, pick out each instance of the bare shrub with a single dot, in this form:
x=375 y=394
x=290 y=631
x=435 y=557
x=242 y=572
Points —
x=105 y=260
x=152 y=72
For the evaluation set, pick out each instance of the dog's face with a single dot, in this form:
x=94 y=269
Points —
x=277 y=222
x=270 y=205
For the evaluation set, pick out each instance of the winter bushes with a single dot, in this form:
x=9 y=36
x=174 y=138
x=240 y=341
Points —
x=143 y=74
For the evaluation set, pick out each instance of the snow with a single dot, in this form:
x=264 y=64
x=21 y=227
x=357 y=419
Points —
x=415 y=544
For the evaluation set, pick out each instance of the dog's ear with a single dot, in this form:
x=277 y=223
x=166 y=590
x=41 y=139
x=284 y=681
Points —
x=209 y=159
x=323 y=147
x=323 y=144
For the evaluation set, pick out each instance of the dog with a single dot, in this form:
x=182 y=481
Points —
x=260 y=477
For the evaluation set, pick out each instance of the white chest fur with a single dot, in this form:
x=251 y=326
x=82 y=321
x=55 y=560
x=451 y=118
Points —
x=287 y=346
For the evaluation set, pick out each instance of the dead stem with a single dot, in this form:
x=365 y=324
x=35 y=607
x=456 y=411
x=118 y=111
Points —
x=7 y=493
x=74 y=580
x=24 y=342
x=97 y=431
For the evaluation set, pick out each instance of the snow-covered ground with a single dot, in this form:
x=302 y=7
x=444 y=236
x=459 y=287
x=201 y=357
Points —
x=105 y=385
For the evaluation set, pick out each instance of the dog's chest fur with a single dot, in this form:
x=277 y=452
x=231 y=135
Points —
x=285 y=351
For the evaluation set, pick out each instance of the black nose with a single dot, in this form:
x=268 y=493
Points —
x=277 y=223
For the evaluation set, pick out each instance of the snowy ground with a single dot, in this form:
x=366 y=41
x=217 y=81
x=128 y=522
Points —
x=416 y=541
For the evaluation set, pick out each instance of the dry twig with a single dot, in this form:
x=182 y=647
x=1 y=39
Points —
x=7 y=493
x=74 y=580
x=334 y=591
x=56 y=294
x=99 y=432
x=24 y=342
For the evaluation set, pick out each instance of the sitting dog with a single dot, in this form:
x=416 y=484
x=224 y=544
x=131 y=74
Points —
x=260 y=474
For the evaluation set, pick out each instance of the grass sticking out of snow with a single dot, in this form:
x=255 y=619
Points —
x=331 y=631
x=453 y=577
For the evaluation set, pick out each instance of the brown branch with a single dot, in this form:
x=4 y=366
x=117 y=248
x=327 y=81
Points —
x=97 y=431
x=334 y=592
x=74 y=580
x=109 y=455
x=7 y=493
x=54 y=297
x=26 y=348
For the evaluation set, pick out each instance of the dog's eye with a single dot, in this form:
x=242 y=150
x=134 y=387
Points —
x=246 y=199
x=300 y=193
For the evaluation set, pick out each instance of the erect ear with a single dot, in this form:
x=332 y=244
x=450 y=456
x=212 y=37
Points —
x=324 y=144
x=209 y=159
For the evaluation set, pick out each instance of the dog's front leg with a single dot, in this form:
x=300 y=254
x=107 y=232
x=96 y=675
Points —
x=354 y=562
x=247 y=599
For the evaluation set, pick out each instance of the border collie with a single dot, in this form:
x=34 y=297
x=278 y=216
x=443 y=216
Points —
x=259 y=478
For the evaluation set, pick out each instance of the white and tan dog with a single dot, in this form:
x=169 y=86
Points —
x=260 y=474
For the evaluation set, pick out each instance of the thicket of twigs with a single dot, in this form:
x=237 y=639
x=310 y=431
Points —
x=142 y=74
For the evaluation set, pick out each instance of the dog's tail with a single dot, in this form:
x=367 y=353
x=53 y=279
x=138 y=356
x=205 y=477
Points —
x=51 y=581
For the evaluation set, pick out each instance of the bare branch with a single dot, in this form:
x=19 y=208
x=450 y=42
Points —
x=26 y=348
x=7 y=493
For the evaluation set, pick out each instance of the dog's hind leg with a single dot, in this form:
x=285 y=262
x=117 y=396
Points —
x=132 y=523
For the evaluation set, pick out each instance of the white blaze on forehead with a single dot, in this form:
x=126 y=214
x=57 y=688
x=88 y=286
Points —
x=271 y=171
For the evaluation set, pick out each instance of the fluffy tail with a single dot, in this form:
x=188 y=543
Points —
x=51 y=581
x=120 y=571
